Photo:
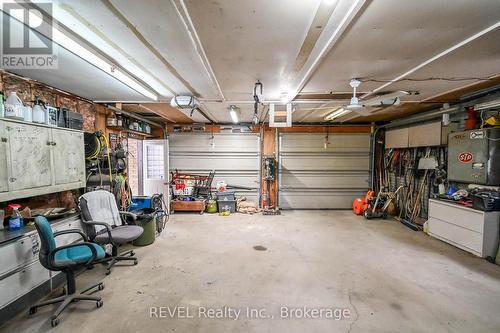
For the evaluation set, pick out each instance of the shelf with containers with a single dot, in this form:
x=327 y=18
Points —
x=128 y=124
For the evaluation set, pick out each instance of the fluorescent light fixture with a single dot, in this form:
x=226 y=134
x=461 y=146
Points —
x=337 y=114
x=77 y=49
x=71 y=45
x=233 y=113
x=487 y=105
x=121 y=76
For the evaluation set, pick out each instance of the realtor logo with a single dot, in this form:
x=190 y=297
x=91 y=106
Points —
x=27 y=36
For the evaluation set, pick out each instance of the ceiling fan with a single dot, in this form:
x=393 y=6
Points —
x=367 y=106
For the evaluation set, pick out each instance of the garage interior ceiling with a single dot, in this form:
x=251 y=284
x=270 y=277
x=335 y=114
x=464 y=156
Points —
x=217 y=50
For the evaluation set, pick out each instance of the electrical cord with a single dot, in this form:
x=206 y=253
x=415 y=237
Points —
x=452 y=79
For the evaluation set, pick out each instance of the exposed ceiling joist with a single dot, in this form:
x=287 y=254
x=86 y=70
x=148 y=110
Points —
x=436 y=57
x=335 y=36
x=149 y=46
x=184 y=16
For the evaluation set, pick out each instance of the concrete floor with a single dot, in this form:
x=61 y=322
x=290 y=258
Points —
x=388 y=277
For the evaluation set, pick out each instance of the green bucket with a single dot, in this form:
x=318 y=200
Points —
x=146 y=218
x=212 y=206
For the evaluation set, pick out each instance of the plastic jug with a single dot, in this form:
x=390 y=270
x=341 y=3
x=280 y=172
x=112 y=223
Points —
x=16 y=220
x=14 y=107
x=2 y=110
x=28 y=114
x=39 y=112
x=221 y=186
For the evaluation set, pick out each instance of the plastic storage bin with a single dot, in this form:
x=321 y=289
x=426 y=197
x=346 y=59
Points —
x=223 y=196
x=227 y=206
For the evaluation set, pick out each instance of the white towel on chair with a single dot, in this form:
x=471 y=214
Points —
x=103 y=208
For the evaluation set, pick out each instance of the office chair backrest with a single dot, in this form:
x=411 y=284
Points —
x=99 y=206
x=46 y=239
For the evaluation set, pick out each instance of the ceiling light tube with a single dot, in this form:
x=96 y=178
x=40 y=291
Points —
x=73 y=46
x=337 y=114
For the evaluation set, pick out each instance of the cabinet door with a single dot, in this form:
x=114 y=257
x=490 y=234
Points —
x=69 y=156
x=29 y=147
x=4 y=175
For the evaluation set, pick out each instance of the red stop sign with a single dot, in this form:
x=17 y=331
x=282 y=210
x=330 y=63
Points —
x=465 y=157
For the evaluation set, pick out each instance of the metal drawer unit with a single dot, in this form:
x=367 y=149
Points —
x=18 y=253
x=22 y=282
x=314 y=177
x=471 y=230
x=20 y=269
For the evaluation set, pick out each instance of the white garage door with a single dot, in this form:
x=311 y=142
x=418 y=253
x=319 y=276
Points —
x=235 y=158
x=312 y=177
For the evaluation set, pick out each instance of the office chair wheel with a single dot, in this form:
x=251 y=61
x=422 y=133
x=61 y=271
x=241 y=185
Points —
x=54 y=322
x=108 y=272
x=132 y=253
x=100 y=286
x=99 y=303
x=135 y=262
x=33 y=310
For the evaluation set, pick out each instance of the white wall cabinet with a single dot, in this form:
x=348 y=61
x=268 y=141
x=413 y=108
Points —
x=3 y=159
x=68 y=157
x=39 y=159
x=29 y=156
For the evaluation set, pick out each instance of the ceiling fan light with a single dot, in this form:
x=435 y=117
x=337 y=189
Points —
x=354 y=103
x=233 y=114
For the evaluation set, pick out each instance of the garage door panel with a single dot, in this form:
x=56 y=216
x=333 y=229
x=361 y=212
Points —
x=223 y=143
x=315 y=177
x=326 y=162
x=214 y=161
x=318 y=199
x=337 y=143
x=339 y=180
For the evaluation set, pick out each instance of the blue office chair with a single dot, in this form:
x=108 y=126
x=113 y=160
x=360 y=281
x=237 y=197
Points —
x=67 y=259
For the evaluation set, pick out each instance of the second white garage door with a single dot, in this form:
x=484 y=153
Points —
x=312 y=177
